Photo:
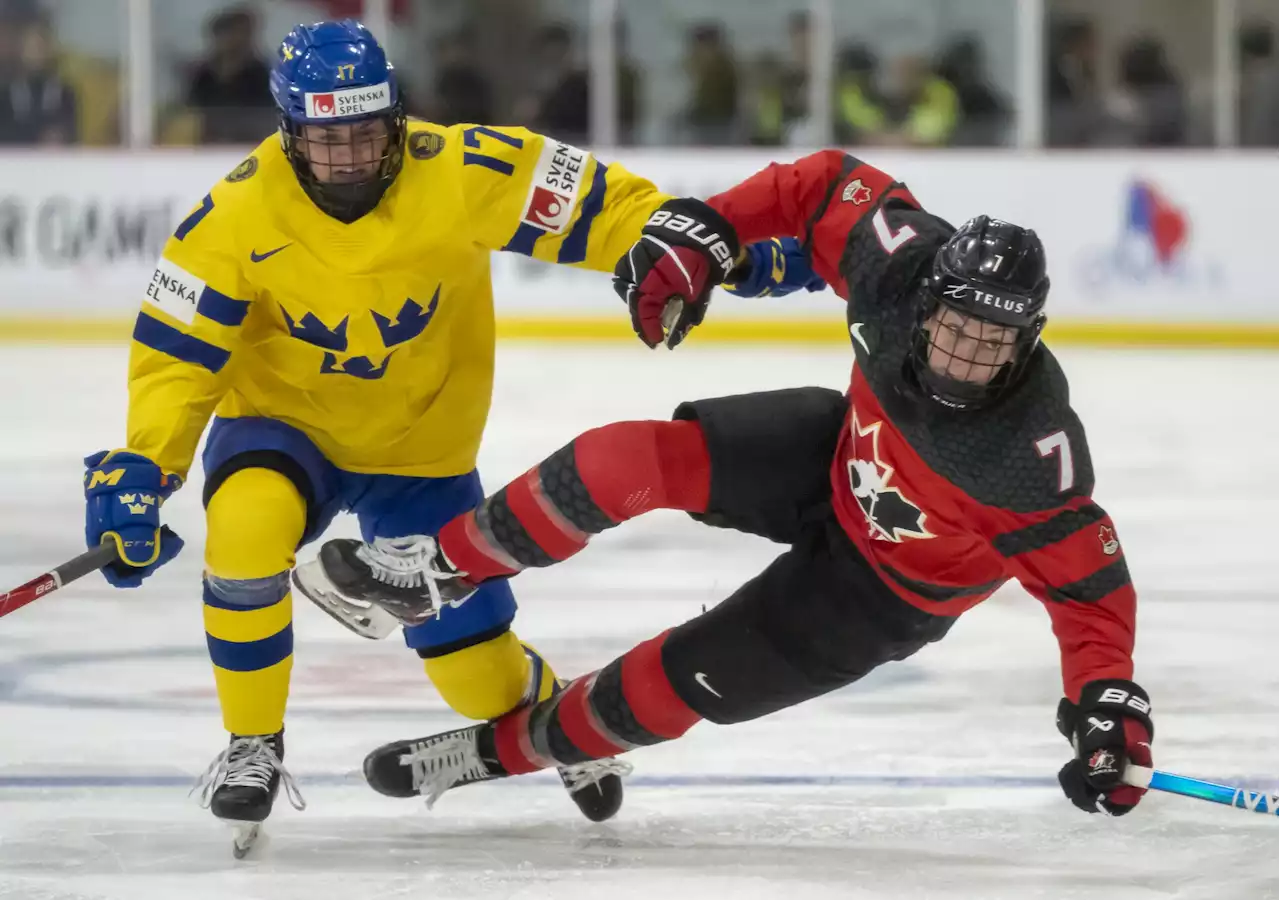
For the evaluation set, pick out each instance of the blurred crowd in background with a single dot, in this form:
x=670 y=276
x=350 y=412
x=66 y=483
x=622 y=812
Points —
x=688 y=72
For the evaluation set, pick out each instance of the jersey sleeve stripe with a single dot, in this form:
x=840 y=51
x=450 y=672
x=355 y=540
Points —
x=151 y=332
x=523 y=240
x=850 y=163
x=1095 y=587
x=222 y=309
x=940 y=593
x=1051 y=531
x=574 y=248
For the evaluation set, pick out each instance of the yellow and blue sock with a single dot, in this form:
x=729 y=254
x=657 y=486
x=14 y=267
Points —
x=256 y=519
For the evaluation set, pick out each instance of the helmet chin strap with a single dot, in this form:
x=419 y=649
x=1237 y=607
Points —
x=957 y=394
x=345 y=201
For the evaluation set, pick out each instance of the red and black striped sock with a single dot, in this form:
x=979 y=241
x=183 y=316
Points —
x=629 y=703
x=604 y=477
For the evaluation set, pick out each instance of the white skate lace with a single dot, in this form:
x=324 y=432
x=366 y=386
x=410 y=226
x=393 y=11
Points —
x=584 y=774
x=247 y=761
x=405 y=562
x=441 y=763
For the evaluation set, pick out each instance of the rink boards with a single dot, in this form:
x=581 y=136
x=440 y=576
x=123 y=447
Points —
x=1143 y=248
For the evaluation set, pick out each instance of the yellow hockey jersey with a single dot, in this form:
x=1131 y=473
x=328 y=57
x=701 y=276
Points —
x=375 y=338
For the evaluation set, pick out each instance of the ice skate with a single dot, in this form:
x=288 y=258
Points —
x=430 y=766
x=596 y=786
x=370 y=588
x=241 y=784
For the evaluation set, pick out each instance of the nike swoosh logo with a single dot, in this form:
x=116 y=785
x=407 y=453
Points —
x=856 y=331
x=257 y=257
x=702 y=680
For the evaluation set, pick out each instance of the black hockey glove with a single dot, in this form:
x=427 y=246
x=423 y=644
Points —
x=1109 y=729
x=685 y=249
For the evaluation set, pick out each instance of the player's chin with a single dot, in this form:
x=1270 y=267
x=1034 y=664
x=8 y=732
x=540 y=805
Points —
x=349 y=176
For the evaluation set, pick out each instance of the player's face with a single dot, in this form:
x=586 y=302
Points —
x=967 y=349
x=345 y=153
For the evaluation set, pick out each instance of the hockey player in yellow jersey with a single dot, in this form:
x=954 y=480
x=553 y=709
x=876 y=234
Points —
x=328 y=305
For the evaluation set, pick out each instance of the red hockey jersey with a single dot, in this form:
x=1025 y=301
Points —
x=947 y=505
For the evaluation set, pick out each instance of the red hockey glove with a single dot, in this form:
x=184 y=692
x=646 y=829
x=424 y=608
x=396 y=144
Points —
x=685 y=249
x=1109 y=729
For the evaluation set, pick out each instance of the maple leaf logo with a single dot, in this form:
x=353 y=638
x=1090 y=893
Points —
x=890 y=515
x=1107 y=537
x=856 y=192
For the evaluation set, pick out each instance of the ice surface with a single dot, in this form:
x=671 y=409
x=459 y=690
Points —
x=934 y=778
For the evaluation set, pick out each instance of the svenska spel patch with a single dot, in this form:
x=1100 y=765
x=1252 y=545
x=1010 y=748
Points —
x=175 y=291
x=557 y=182
x=357 y=101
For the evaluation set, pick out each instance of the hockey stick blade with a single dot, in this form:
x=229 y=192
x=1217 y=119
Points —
x=89 y=561
x=1240 y=798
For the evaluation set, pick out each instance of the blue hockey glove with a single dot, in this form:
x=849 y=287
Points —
x=774 y=268
x=123 y=492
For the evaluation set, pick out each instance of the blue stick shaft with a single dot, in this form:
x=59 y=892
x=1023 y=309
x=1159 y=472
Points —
x=1241 y=798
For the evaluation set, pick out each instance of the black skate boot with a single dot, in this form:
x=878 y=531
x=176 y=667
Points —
x=430 y=766
x=370 y=588
x=596 y=786
x=241 y=784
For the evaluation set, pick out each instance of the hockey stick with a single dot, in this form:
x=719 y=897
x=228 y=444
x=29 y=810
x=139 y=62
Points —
x=89 y=561
x=1255 y=801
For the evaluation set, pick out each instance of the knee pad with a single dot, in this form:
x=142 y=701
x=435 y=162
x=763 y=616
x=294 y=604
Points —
x=249 y=593
x=256 y=519
x=490 y=679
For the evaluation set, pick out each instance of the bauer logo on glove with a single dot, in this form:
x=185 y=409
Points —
x=694 y=230
x=685 y=249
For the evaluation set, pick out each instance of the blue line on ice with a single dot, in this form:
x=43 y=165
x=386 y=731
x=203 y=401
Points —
x=335 y=779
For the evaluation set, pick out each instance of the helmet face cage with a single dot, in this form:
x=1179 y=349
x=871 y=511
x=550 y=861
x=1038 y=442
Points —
x=965 y=361
x=346 y=165
x=981 y=313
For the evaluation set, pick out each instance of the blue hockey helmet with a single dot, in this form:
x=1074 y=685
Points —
x=342 y=121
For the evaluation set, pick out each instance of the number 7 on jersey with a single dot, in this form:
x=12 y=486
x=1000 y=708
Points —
x=890 y=240
x=1058 y=443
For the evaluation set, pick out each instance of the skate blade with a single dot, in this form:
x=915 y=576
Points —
x=245 y=837
x=364 y=619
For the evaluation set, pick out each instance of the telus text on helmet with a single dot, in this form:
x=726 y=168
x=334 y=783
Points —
x=1009 y=304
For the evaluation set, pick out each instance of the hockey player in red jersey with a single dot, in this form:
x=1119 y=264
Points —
x=952 y=464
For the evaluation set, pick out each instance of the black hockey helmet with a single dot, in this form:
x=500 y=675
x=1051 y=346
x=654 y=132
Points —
x=982 y=313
